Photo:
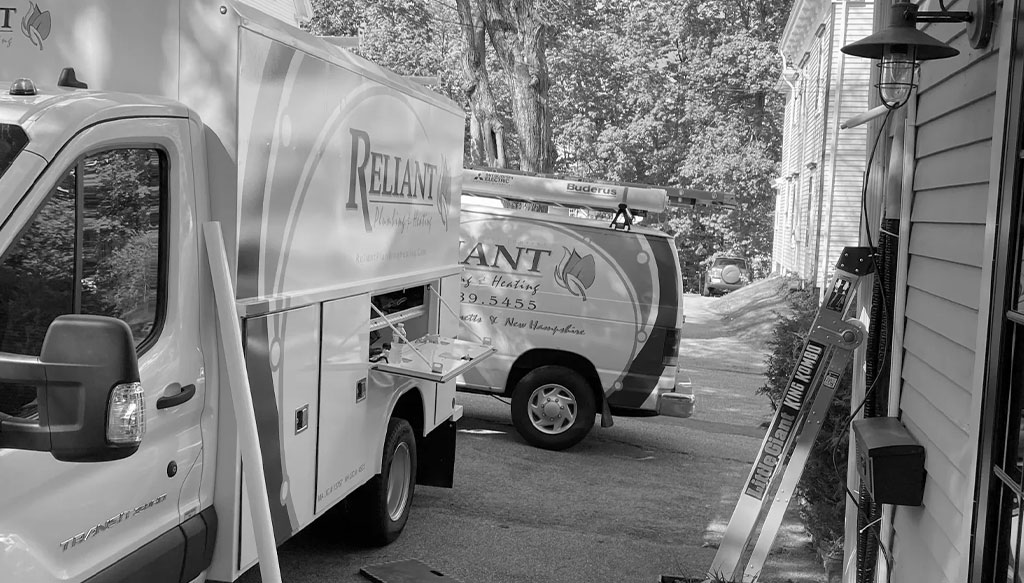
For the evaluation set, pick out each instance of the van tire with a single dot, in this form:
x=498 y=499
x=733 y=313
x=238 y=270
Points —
x=534 y=411
x=379 y=509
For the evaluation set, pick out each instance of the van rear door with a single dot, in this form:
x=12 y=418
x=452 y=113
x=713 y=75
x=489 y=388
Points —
x=108 y=229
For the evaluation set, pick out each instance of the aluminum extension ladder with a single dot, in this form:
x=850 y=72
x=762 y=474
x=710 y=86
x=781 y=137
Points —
x=780 y=460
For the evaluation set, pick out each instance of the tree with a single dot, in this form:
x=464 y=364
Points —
x=486 y=131
x=519 y=33
x=737 y=148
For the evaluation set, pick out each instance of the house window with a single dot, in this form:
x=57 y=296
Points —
x=1000 y=492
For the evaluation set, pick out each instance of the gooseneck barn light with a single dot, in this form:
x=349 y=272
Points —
x=900 y=46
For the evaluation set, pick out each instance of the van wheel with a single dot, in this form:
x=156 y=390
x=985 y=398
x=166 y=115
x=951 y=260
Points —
x=553 y=407
x=379 y=508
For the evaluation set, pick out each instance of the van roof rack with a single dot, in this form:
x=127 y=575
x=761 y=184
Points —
x=562 y=191
x=572 y=192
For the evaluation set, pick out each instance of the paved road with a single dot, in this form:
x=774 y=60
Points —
x=644 y=498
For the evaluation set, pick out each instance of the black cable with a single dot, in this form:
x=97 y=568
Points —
x=867 y=175
x=496 y=397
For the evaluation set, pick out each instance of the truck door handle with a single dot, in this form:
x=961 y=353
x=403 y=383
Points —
x=186 y=393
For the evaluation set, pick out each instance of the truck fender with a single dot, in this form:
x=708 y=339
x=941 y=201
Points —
x=407 y=403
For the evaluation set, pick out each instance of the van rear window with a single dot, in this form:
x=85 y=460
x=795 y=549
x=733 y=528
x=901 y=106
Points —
x=12 y=141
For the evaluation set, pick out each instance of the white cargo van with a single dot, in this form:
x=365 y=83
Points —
x=336 y=184
x=585 y=314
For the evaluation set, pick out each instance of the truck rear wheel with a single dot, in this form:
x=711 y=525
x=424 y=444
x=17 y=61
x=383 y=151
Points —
x=379 y=509
x=553 y=407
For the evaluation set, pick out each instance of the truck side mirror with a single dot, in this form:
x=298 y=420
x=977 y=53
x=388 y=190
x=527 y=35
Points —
x=90 y=401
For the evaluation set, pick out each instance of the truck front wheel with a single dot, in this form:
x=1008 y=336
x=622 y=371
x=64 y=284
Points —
x=553 y=407
x=380 y=508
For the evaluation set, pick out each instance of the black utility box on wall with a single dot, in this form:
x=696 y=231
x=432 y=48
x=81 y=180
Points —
x=890 y=461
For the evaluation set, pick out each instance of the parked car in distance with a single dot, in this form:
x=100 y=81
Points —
x=725 y=275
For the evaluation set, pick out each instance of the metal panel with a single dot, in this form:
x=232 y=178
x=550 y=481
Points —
x=338 y=189
x=283 y=363
x=343 y=460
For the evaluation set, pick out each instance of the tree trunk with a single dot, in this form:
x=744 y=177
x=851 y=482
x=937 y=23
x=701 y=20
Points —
x=486 y=132
x=519 y=36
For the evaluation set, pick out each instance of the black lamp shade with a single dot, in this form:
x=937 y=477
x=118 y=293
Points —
x=902 y=31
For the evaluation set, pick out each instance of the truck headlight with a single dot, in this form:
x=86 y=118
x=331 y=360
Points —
x=126 y=414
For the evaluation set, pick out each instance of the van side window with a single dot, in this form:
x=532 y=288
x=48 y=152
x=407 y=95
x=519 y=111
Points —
x=94 y=247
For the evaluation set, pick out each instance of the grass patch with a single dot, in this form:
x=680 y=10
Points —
x=751 y=313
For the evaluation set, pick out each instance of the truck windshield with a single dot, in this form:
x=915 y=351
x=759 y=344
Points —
x=12 y=141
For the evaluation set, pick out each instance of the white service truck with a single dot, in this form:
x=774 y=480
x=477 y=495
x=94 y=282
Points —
x=585 y=314
x=336 y=186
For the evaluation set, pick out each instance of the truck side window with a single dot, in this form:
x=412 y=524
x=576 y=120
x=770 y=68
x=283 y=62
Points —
x=121 y=237
x=38 y=272
x=36 y=286
x=94 y=247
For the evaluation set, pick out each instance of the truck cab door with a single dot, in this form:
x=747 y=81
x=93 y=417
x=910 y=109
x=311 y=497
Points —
x=108 y=229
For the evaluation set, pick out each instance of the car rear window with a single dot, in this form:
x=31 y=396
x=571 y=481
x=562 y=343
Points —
x=12 y=141
x=723 y=261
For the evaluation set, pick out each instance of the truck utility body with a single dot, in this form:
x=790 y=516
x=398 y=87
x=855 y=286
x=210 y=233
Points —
x=584 y=312
x=336 y=185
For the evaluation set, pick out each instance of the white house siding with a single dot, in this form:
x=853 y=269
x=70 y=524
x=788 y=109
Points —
x=818 y=72
x=843 y=191
x=820 y=203
x=803 y=140
x=955 y=117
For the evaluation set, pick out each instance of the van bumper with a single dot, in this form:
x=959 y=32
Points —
x=678 y=403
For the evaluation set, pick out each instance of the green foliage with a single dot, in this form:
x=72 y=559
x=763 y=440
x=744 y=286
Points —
x=409 y=37
x=823 y=483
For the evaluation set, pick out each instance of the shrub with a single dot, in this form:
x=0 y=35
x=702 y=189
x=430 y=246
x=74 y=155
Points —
x=822 y=486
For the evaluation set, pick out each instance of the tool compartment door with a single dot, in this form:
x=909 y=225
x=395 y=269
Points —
x=282 y=360
x=346 y=422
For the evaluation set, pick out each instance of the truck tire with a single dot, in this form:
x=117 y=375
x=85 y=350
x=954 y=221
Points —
x=379 y=508
x=553 y=407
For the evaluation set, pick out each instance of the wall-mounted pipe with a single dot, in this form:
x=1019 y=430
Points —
x=865 y=117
